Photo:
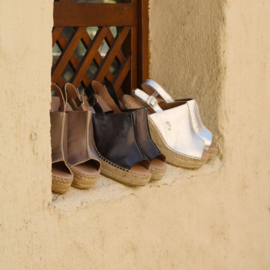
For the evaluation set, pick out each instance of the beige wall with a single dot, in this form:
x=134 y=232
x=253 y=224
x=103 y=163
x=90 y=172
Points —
x=215 y=218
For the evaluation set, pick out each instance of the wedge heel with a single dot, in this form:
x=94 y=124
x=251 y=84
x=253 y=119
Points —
x=172 y=157
x=83 y=181
x=60 y=185
x=122 y=175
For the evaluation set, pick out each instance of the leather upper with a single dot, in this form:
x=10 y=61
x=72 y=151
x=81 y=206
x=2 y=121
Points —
x=175 y=127
x=81 y=146
x=114 y=134
x=154 y=89
x=59 y=133
x=145 y=143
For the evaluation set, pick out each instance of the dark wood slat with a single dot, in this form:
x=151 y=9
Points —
x=67 y=53
x=134 y=71
x=61 y=82
x=126 y=47
x=89 y=56
x=85 y=14
x=134 y=54
x=56 y=33
x=120 y=56
x=74 y=61
x=143 y=41
x=111 y=54
x=86 y=40
x=121 y=75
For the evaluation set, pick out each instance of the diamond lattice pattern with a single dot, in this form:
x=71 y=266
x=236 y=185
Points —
x=83 y=54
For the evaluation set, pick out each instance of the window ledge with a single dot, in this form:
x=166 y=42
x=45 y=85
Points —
x=106 y=189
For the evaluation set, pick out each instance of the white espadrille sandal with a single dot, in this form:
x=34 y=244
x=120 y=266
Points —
x=172 y=131
x=153 y=88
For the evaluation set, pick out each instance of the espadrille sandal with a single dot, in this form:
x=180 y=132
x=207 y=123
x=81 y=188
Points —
x=115 y=141
x=61 y=174
x=154 y=89
x=147 y=146
x=82 y=157
x=172 y=132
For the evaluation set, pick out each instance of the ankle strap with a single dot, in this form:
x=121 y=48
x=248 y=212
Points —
x=108 y=94
x=61 y=94
x=113 y=94
x=154 y=89
x=92 y=99
x=150 y=100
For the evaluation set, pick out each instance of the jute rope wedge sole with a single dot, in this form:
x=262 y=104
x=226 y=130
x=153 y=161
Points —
x=60 y=185
x=83 y=181
x=123 y=176
x=157 y=174
x=172 y=157
x=211 y=152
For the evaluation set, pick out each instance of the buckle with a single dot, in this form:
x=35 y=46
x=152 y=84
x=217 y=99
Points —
x=151 y=101
x=92 y=100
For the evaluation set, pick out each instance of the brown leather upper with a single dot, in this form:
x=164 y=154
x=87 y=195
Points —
x=59 y=132
x=59 y=136
x=81 y=146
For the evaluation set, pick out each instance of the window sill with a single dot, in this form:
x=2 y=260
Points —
x=106 y=189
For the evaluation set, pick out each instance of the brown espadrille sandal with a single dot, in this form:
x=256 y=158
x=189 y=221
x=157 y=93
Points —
x=165 y=101
x=172 y=132
x=61 y=174
x=82 y=158
x=115 y=142
x=147 y=146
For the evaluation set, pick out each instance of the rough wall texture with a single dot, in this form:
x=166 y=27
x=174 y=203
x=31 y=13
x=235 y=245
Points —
x=215 y=218
x=245 y=125
x=185 y=47
x=25 y=61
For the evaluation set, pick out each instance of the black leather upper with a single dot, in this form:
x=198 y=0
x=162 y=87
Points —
x=115 y=135
x=145 y=142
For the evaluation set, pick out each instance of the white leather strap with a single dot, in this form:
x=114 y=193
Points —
x=150 y=100
x=155 y=89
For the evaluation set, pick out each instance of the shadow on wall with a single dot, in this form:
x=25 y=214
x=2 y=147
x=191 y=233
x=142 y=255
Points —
x=186 y=58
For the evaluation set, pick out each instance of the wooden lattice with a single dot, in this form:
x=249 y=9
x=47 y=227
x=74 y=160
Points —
x=123 y=47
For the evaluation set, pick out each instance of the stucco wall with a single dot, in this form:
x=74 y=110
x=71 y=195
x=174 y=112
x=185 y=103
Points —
x=25 y=163
x=215 y=218
x=185 y=45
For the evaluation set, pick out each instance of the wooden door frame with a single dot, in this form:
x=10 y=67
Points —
x=138 y=20
x=143 y=41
